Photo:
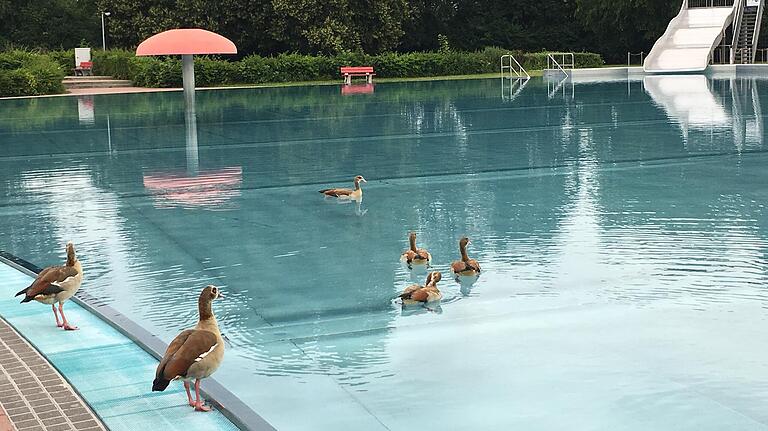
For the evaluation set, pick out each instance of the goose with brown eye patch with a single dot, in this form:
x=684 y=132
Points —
x=195 y=353
x=56 y=284
x=349 y=194
x=465 y=266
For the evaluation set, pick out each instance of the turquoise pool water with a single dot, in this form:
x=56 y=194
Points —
x=621 y=227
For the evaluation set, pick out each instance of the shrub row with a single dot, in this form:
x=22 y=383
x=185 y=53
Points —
x=254 y=69
x=24 y=73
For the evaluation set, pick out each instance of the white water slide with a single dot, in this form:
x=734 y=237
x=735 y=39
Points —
x=690 y=37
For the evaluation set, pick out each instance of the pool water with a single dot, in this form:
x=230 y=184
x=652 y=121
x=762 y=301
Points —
x=621 y=227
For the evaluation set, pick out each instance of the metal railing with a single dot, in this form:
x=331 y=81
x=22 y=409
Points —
x=721 y=54
x=756 y=34
x=510 y=66
x=631 y=55
x=514 y=89
x=566 y=61
x=746 y=54
x=554 y=86
x=761 y=55
x=709 y=3
x=738 y=14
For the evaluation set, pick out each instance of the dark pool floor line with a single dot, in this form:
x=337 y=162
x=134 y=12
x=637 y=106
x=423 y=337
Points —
x=104 y=364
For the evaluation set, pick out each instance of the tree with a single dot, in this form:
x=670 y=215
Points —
x=426 y=19
x=620 y=26
x=51 y=24
x=516 y=24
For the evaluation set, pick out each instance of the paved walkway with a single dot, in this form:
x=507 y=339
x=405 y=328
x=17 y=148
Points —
x=116 y=90
x=33 y=396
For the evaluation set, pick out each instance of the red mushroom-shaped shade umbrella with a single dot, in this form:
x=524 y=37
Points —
x=187 y=42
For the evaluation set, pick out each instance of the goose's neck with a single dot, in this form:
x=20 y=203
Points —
x=206 y=314
x=357 y=185
x=463 y=249
x=205 y=310
x=412 y=241
x=71 y=259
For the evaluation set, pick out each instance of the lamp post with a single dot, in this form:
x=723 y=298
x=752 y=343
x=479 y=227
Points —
x=103 y=34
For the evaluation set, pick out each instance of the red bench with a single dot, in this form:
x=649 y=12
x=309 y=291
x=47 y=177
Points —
x=85 y=68
x=348 y=72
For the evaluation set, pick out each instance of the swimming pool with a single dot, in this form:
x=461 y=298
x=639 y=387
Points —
x=621 y=227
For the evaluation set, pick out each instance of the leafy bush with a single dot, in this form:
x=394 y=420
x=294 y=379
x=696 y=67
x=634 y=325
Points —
x=254 y=69
x=64 y=58
x=24 y=73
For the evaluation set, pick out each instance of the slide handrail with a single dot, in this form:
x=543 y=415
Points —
x=737 y=17
x=756 y=34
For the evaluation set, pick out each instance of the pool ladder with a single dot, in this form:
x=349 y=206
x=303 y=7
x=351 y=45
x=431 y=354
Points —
x=518 y=77
x=567 y=61
x=509 y=66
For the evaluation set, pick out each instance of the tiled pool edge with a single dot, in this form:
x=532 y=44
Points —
x=225 y=401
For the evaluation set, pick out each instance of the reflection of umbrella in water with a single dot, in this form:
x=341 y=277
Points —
x=194 y=187
x=209 y=188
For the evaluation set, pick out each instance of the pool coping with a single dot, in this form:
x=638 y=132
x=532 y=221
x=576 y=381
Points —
x=637 y=73
x=225 y=401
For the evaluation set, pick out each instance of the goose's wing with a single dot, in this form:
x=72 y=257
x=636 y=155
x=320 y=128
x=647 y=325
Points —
x=336 y=192
x=187 y=348
x=48 y=280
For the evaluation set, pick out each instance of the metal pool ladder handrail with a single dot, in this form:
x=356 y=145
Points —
x=520 y=71
x=564 y=57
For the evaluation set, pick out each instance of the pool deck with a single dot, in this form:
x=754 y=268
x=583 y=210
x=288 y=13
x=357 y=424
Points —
x=33 y=395
x=96 y=367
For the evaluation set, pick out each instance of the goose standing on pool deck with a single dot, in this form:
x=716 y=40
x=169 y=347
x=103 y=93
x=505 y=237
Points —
x=355 y=194
x=56 y=284
x=415 y=293
x=465 y=266
x=195 y=353
x=413 y=255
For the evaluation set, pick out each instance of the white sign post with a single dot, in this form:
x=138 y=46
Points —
x=81 y=55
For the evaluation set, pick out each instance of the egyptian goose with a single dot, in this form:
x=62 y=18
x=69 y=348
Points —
x=195 y=353
x=465 y=266
x=416 y=294
x=56 y=284
x=355 y=194
x=413 y=255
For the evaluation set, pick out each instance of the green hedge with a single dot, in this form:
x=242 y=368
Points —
x=254 y=69
x=24 y=73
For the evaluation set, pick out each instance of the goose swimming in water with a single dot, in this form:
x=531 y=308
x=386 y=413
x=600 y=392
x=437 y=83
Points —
x=465 y=266
x=416 y=294
x=416 y=256
x=342 y=193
